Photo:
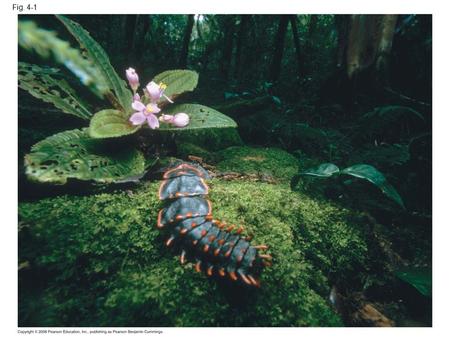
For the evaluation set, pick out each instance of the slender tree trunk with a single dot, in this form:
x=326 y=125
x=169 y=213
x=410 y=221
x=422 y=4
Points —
x=342 y=23
x=312 y=25
x=227 y=45
x=388 y=24
x=293 y=20
x=245 y=19
x=130 y=29
x=278 y=47
x=186 y=40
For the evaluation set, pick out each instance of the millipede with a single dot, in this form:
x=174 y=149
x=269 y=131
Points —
x=216 y=248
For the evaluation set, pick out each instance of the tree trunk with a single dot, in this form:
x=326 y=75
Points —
x=245 y=19
x=278 y=46
x=130 y=29
x=369 y=45
x=186 y=40
x=388 y=24
x=227 y=51
x=293 y=20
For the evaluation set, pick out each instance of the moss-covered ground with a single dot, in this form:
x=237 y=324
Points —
x=98 y=260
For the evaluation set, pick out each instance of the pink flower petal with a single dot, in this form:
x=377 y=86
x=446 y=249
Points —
x=136 y=97
x=138 y=118
x=153 y=108
x=154 y=91
x=152 y=121
x=138 y=106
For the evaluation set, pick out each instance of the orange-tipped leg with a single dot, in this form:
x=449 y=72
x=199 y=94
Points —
x=183 y=257
x=261 y=247
x=269 y=257
x=244 y=278
x=170 y=241
x=198 y=266
x=253 y=280
x=232 y=275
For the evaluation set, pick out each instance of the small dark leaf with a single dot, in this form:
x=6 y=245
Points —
x=323 y=170
x=420 y=278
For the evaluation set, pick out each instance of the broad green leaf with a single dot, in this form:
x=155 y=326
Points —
x=110 y=123
x=73 y=154
x=101 y=60
x=200 y=117
x=178 y=81
x=372 y=175
x=420 y=278
x=323 y=170
x=44 y=84
x=46 y=44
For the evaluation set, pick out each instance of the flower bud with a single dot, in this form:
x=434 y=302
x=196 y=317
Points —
x=180 y=120
x=133 y=78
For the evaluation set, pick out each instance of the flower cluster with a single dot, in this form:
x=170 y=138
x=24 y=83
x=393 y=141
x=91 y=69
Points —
x=146 y=107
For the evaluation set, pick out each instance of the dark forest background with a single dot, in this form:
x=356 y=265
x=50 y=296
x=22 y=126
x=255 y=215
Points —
x=345 y=89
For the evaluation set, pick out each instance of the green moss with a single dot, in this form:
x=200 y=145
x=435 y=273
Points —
x=98 y=260
x=268 y=161
x=186 y=149
x=210 y=139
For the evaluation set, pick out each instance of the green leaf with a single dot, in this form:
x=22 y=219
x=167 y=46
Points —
x=200 y=117
x=420 y=278
x=46 y=44
x=178 y=81
x=372 y=175
x=43 y=84
x=73 y=154
x=101 y=60
x=323 y=170
x=110 y=123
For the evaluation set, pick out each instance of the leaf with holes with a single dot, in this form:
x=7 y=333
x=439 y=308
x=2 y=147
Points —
x=73 y=154
x=369 y=173
x=110 y=123
x=101 y=60
x=178 y=81
x=44 y=84
x=45 y=43
x=200 y=117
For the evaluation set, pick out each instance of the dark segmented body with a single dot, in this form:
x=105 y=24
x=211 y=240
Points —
x=212 y=245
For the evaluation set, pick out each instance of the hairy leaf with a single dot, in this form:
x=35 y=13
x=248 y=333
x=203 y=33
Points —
x=110 y=123
x=73 y=154
x=46 y=44
x=420 y=278
x=178 y=81
x=101 y=60
x=44 y=84
x=200 y=117
x=372 y=175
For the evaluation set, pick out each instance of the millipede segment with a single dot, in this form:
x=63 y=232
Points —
x=215 y=247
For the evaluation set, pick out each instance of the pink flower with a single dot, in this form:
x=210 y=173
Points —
x=145 y=113
x=156 y=91
x=133 y=79
x=179 y=120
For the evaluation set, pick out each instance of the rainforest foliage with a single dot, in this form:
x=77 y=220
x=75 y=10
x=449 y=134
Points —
x=316 y=129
